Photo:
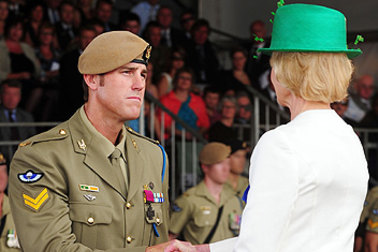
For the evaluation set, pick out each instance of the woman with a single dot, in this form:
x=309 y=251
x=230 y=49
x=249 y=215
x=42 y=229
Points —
x=222 y=130
x=308 y=178
x=186 y=105
x=176 y=62
x=4 y=12
x=45 y=97
x=17 y=59
x=36 y=18
x=236 y=79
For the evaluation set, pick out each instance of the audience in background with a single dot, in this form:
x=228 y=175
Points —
x=130 y=22
x=103 y=12
x=245 y=108
x=211 y=96
x=202 y=57
x=175 y=62
x=84 y=12
x=4 y=12
x=44 y=98
x=71 y=94
x=34 y=22
x=170 y=36
x=17 y=59
x=359 y=98
x=10 y=95
x=53 y=11
x=160 y=53
x=65 y=30
x=182 y=102
x=257 y=63
x=146 y=10
x=237 y=78
x=222 y=130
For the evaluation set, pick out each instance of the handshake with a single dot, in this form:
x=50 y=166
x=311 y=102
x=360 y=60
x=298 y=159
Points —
x=178 y=246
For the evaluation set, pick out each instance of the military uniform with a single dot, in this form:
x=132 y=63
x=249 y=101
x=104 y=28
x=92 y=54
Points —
x=243 y=183
x=195 y=212
x=65 y=193
x=8 y=237
x=370 y=213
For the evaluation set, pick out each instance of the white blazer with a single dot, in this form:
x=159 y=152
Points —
x=308 y=183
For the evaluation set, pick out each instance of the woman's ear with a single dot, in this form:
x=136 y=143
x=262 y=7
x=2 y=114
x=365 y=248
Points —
x=92 y=81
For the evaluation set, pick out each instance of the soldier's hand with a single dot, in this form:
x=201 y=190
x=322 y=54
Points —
x=172 y=246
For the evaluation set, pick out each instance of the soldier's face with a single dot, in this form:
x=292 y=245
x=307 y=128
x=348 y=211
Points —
x=10 y=97
x=218 y=172
x=120 y=93
x=238 y=160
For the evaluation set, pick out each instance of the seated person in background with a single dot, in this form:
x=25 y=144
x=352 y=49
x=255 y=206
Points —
x=359 y=100
x=130 y=22
x=201 y=54
x=174 y=63
x=186 y=105
x=8 y=238
x=223 y=130
x=210 y=211
x=236 y=78
x=238 y=160
x=211 y=96
x=10 y=96
x=17 y=59
x=245 y=108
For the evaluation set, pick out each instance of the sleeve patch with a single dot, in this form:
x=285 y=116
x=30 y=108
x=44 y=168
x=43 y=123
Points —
x=29 y=176
x=37 y=202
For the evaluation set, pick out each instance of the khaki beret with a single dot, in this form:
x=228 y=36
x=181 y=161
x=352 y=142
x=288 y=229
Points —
x=213 y=153
x=111 y=50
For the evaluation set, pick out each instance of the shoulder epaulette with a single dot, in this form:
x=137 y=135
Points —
x=51 y=135
x=144 y=137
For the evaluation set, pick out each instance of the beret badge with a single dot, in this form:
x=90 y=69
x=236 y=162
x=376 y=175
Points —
x=147 y=53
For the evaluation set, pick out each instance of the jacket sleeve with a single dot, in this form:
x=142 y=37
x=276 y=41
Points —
x=274 y=182
x=40 y=208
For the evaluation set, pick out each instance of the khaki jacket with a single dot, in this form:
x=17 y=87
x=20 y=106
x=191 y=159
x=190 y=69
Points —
x=73 y=202
x=8 y=237
x=195 y=212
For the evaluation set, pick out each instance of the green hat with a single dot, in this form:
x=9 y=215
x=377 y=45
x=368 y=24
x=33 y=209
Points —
x=309 y=28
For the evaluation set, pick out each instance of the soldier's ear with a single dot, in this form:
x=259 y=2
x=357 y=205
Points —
x=92 y=81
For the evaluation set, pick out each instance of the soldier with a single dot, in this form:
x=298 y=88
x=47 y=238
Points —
x=238 y=159
x=210 y=211
x=8 y=237
x=90 y=183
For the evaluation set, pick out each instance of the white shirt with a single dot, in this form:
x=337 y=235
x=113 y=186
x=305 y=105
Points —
x=308 y=182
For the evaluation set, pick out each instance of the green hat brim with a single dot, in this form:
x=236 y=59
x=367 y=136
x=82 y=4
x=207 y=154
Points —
x=351 y=53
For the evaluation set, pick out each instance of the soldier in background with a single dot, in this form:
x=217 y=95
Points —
x=209 y=211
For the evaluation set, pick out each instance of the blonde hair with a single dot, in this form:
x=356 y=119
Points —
x=314 y=76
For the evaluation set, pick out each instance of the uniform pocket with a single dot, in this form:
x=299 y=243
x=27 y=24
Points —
x=87 y=220
x=154 y=213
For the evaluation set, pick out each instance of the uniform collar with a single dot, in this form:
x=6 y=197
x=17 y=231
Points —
x=226 y=194
x=106 y=146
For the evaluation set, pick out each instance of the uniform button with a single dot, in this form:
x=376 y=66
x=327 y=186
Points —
x=62 y=132
x=129 y=239
x=128 y=205
x=90 y=220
